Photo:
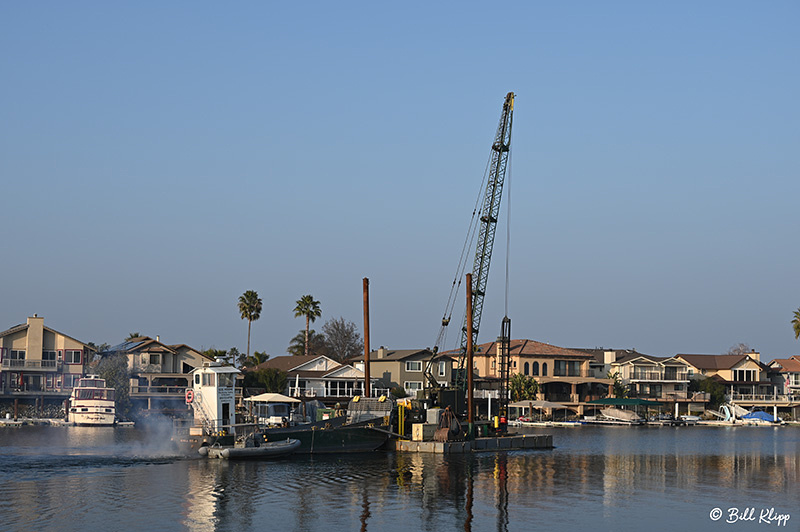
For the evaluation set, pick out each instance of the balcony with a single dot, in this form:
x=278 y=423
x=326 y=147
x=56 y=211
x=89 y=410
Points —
x=334 y=391
x=662 y=376
x=164 y=391
x=31 y=365
x=765 y=398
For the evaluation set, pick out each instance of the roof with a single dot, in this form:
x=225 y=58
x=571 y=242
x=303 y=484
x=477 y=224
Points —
x=288 y=363
x=788 y=365
x=599 y=353
x=24 y=326
x=396 y=354
x=532 y=348
x=717 y=362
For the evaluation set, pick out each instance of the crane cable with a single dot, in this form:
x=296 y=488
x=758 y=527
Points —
x=508 y=226
x=462 y=261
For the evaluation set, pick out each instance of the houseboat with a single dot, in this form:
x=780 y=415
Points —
x=92 y=403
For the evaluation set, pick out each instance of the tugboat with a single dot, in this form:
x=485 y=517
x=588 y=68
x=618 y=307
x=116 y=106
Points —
x=92 y=403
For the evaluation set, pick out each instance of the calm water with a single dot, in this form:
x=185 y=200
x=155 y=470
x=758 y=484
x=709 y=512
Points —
x=598 y=478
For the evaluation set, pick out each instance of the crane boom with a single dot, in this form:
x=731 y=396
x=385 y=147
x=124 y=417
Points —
x=488 y=226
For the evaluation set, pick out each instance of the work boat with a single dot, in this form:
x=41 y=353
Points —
x=92 y=403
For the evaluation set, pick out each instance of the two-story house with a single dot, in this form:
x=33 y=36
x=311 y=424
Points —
x=787 y=371
x=405 y=368
x=663 y=379
x=159 y=373
x=39 y=362
x=322 y=378
x=564 y=375
x=742 y=375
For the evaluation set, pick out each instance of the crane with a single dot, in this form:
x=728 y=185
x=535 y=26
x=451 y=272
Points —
x=490 y=209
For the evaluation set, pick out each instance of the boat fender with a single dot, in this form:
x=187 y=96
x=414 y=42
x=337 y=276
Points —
x=382 y=399
x=357 y=398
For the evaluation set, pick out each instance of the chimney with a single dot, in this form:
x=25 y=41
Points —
x=609 y=357
x=755 y=355
x=381 y=352
x=158 y=338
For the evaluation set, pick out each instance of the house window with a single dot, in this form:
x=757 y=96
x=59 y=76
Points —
x=535 y=369
x=72 y=356
x=412 y=386
x=744 y=375
x=413 y=365
x=544 y=369
x=526 y=368
x=49 y=359
x=17 y=358
x=208 y=379
x=49 y=381
x=442 y=368
x=70 y=379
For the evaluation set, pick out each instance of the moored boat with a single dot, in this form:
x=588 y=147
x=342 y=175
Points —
x=253 y=450
x=92 y=403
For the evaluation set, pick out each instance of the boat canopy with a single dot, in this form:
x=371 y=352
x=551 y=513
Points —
x=620 y=401
x=272 y=398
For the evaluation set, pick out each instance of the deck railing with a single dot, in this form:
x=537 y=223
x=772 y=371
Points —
x=30 y=364
x=655 y=375
x=765 y=398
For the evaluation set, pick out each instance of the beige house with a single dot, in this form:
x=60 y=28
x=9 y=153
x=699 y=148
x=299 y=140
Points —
x=37 y=361
x=160 y=373
x=742 y=374
x=405 y=368
x=564 y=375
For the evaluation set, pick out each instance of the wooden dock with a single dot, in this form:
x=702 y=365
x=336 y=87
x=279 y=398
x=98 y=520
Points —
x=503 y=443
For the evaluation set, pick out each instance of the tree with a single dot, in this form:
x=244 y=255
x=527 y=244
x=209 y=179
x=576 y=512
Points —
x=250 y=310
x=259 y=357
x=308 y=342
x=133 y=335
x=114 y=369
x=713 y=387
x=306 y=306
x=234 y=357
x=216 y=354
x=523 y=387
x=739 y=349
x=271 y=379
x=620 y=390
x=796 y=324
x=343 y=339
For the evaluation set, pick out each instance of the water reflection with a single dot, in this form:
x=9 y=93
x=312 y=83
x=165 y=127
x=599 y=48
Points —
x=593 y=479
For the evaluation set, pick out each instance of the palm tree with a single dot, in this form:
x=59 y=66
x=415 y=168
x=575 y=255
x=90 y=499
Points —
x=306 y=306
x=796 y=324
x=250 y=310
x=133 y=335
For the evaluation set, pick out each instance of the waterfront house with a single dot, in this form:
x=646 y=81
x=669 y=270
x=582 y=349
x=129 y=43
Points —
x=405 y=368
x=787 y=371
x=320 y=377
x=38 y=363
x=159 y=373
x=564 y=375
x=664 y=379
x=743 y=375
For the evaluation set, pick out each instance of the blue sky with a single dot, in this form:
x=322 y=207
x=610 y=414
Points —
x=159 y=160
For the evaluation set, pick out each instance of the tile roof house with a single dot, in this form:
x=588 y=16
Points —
x=39 y=362
x=564 y=375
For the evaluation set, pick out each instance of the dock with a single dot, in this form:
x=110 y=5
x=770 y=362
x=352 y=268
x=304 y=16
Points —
x=502 y=443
